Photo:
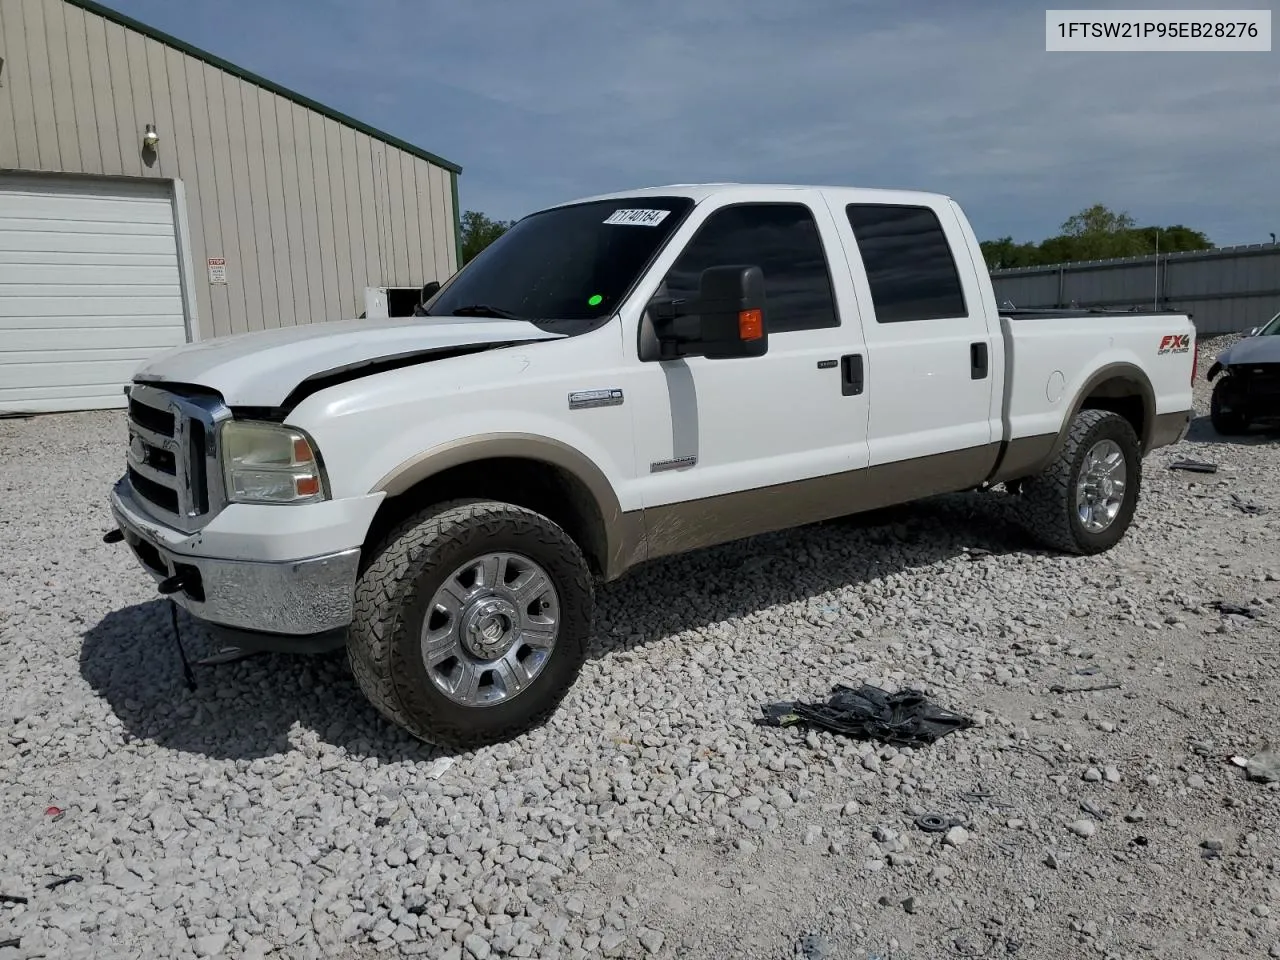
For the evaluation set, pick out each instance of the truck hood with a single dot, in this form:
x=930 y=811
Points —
x=1251 y=350
x=262 y=369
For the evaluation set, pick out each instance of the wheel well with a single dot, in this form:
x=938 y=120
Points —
x=533 y=484
x=1122 y=396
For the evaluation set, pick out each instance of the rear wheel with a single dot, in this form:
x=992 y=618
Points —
x=1227 y=420
x=471 y=623
x=1084 y=501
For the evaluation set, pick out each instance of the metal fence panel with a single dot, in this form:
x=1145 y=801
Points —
x=1227 y=290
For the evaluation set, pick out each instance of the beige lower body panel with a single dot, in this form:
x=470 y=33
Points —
x=678 y=527
x=1169 y=428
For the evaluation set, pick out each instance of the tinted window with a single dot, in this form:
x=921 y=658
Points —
x=782 y=240
x=567 y=263
x=909 y=264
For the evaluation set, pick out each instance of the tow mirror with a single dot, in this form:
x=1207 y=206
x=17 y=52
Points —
x=727 y=320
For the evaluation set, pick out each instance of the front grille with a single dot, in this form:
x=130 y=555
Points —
x=166 y=461
x=157 y=421
x=199 y=467
x=172 y=455
x=1264 y=380
x=166 y=498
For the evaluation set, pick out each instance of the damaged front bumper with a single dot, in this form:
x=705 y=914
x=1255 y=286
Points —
x=1252 y=390
x=298 y=605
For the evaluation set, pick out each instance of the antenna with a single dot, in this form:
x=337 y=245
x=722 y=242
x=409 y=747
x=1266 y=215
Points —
x=1155 y=304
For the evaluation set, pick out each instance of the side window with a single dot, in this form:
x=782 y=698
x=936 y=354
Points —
x=909 y=264
x=782 y=240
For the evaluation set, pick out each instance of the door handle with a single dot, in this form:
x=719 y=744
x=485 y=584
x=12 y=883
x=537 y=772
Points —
x=977 y=361
x=851 y=377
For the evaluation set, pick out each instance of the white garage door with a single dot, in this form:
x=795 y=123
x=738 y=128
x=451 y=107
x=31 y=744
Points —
x=89 y=289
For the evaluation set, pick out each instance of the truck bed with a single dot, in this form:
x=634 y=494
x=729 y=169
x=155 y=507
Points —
x=1052 y=355
x=1080 y=313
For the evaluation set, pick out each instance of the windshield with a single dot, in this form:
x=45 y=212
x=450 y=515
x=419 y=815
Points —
x=1272 y=329
x=566 y=263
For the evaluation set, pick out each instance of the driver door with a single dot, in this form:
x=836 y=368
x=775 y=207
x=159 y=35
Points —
x=732 y=447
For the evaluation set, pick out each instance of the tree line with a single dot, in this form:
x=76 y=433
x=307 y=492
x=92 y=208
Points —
x=1095 y=233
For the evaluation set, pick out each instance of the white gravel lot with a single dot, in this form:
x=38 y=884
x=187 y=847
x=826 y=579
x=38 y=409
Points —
x=272 y=813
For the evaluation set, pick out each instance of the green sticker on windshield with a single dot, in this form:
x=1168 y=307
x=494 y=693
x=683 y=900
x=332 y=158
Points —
x=596 y=300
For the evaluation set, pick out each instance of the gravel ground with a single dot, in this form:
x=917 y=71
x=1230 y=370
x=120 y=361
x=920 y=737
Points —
x=272 y=813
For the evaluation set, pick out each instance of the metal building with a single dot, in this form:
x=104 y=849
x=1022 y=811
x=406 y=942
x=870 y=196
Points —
x=152 y=194
x=1226 y=290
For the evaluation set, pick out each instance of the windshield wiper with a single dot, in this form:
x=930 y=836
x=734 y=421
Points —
x=484 y=310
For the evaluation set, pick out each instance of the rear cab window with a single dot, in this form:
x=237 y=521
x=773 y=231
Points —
x=910 y=266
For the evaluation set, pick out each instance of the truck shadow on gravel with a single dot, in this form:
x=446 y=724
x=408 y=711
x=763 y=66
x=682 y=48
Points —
x=273 y=703
x=1201 y=431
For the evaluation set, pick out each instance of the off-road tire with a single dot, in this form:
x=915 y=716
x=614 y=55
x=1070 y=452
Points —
x=403 y=575
x=1045 y=507
x=1226 y=423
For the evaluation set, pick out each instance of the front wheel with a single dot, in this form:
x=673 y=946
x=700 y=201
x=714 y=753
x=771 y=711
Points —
x=1084 y=501
x=1229 y=422
x=471 y=623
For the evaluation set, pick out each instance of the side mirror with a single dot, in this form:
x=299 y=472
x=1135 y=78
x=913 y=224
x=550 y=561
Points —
x=429 y=290
x=1253 y=332
x=726 y=321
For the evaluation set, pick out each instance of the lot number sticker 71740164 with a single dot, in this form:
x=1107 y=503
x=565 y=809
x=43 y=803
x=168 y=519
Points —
x=638 y=218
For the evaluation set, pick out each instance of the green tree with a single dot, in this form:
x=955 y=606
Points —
x=478 y=231
x=1175 y=239
x=1095 y=233
x=1098 y=233
x=1004 y=254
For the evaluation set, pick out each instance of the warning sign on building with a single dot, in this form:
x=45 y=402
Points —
x=217 y=269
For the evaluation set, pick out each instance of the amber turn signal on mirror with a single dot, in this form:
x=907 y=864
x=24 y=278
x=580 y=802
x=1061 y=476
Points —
x=750 y=324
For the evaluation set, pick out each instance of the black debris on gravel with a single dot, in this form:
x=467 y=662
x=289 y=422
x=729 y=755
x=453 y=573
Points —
x=1194 y=466
x=906 y=718
x=1246 y=506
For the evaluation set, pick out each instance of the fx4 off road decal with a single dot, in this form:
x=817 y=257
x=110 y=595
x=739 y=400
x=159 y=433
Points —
x=1175 y=343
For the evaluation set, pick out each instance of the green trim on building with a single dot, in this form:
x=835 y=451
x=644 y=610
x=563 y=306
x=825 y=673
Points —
x=457 y=220
x=275 y=88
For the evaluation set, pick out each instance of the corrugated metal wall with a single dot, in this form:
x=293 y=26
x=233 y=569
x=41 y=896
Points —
x=306 y=211
x=1228 y=290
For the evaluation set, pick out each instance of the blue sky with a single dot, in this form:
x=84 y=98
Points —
x=545 y=101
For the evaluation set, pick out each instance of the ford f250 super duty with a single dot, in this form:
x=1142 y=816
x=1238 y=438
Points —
x=614 y=380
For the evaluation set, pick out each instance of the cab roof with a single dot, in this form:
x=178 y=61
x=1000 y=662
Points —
x=702 y=191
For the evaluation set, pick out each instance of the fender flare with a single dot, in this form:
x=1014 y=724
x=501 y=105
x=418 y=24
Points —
x=1125 y=373
x=624 y=540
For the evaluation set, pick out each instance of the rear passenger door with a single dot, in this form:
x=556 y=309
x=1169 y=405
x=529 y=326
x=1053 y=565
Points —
x=929 y=374
x=710 y=429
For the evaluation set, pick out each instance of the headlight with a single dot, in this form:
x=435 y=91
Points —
x=269 y=463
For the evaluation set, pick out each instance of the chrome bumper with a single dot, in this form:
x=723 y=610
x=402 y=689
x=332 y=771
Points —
x=295 y=597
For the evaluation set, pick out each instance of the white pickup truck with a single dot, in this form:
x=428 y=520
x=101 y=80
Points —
x=617 y=379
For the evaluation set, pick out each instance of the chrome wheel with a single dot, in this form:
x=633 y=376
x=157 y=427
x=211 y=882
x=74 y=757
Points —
x=490 y=629
x=1101 y=486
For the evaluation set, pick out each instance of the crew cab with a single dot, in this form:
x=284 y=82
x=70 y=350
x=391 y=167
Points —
x=614 y=380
